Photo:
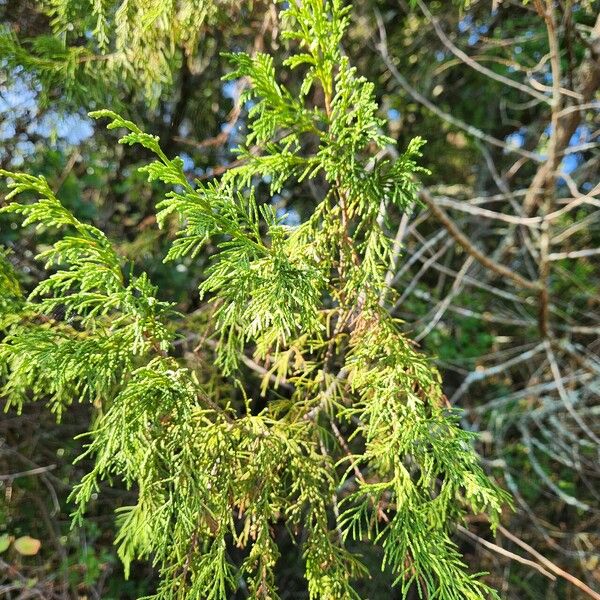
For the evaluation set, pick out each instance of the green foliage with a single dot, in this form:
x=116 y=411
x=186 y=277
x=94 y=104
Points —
x=107 y=321
x=11 y=299
x=395 y=385
x=305 y=301
x=93 y=43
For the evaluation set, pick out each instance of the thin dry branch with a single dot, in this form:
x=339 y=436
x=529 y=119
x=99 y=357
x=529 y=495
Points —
x=465 y=58
x=565 y=123
x=586 y=589
x=460 y=237
x=418 y=97
x=503 y=552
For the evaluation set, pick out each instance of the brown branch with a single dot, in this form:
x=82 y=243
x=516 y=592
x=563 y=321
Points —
x=503 y=552
x=550 y=565
x=418 y=97
x=465 y=58
x=547 y=173
x=588 y=81
x=463 y=241
x=544 y=274
x=37 y=471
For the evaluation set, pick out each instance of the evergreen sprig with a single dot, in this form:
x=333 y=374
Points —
x=92 y=43
x=105 y=321
x=358 y=447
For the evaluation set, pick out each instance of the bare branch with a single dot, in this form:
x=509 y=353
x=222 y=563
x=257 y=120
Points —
x=474 y=64
x=460 y=237
x=550 y=565
x=470 y=129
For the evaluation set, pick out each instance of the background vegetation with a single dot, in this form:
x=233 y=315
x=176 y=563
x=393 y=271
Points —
x=496 y=271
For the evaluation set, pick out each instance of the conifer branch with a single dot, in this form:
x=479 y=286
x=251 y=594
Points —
x=305 y=302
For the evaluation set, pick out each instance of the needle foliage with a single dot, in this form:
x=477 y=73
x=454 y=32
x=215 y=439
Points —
x=352 y=443
x=92 y=46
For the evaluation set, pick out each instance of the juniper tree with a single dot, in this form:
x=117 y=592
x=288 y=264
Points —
x=352 y=440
